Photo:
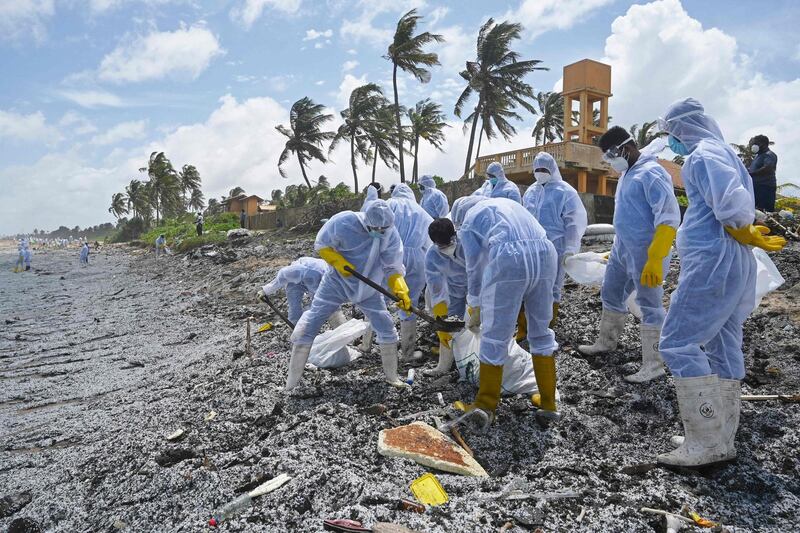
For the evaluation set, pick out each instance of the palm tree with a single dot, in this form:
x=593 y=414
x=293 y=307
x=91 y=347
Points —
x=213 y=206
x=304 y=138
x=365 y=103
x=164 y=184
x=118 y=207
x=196 y=200
x=138 y=202
x=495 y=117
x=645 y=134
x=550 y=124
x=190 y=180
x=427 y=123
x=380 y=132
x=496 y=73
x=236 y=191
x=406 y=53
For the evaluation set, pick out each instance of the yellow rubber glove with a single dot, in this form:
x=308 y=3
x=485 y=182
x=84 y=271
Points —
x=440 y=311
x=398 y=285
x=653 y=272
x=473 y=318
x=751 y=235
x=335 y=259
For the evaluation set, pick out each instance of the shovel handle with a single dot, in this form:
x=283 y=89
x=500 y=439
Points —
x=278 y=311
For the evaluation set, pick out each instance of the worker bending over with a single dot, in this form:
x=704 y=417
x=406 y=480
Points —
x=434 y=201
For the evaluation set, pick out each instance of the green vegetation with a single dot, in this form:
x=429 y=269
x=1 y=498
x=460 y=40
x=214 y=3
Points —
x=181 y=233
x=683 y=201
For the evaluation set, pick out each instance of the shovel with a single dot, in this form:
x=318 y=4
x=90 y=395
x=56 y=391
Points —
x=438 y=324
x=267 y=301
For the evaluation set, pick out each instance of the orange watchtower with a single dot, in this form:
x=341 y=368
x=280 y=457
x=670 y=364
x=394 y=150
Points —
x=587 y=83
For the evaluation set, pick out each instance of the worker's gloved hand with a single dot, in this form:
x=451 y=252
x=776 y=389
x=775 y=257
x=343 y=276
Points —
x=398 y=285
x=440 y=310
x=567 y=255
x=445 y=338
x=336 y=260
x=751 y=235
x=474 y=318
x=261 y=296
x=653 y=272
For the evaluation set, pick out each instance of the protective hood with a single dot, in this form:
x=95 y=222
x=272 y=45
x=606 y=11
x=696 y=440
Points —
x=379 y=215
x=403 y=192
x=495 y=169
x=461 y=206
x=545 y=160
x=686 y=120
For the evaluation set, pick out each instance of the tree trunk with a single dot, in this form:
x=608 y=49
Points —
x=472 y=135
x=374 y=159
x=353 y=160
x=303 y=169
x=480 y=138
x=416 y=160
x=399 y=125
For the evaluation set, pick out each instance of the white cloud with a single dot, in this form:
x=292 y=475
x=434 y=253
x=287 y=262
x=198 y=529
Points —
x=349 y=65
x=22 y=19
x=363 y=27
x=92 y=98
x=281 y=83
x=541 y=16
x=458 y=47
x=78 y=124
x=322 y=44
x=32 y=127
x=314 y=34
x=349 y=82
x=249 y=11
x=659 y=54
x=319 y=82
x=353 y=52
x=120 y=132
x=185 y=52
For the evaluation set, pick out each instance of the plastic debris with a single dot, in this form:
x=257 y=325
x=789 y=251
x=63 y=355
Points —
x=246 y=500
x=175 y=435
x=700 y=521
x=266 y=327
x=210 y=416
x=428 y=491
x=343 y=525
x=408 y=505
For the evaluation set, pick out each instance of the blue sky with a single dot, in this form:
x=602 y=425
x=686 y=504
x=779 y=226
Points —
x=92 y=87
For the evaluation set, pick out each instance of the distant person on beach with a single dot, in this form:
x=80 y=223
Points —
x=243 y=219
x=198 y=222
x=85 y=254
x=762 y=171
x=161 y=244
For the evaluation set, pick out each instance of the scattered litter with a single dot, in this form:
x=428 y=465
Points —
x=441 y=399
x=410 y=376
x=386 y=527
x=428 y=491
x=176 y=435
x=246 y=500
x=505 y=527
x=581 y=514
x=429 y=447
x=343 y=525
x=266 y=327
x=210 y=416
x=408 y=505
x=14 y=502
x=700 y=521
x=794 y=398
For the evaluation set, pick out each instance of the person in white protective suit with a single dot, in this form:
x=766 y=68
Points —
x=434 y=201
x=646 y=216
x=302 y=277
x=411 y=222
x=369 y=244
x=373 y=193
x=509 y=262
x=161 y=245
x=558 y=208
x=499 y=185
x=702 y=337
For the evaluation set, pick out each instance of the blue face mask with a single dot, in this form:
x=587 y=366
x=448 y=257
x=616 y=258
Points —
x=493 y=181
x=375 y=234
x=678 y=147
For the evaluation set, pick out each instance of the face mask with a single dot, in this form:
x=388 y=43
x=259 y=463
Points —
x=754 y=148
x=620 y=164
x=449 y=250
x=543 y=177
x=422 y=188
x=493 y=181
x=375 y=234
x=678 y=147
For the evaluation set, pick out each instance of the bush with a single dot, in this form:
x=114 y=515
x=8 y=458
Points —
x=787 y=202
x=130 y=230
x=181 y=234
x=683 y=201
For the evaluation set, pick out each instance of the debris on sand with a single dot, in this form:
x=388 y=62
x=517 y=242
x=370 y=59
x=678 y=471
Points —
x=429 y=447
x=14 y=502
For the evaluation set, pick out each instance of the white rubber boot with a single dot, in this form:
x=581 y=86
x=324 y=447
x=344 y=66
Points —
x=337 y=319
x=389 y=361
x=652 y=364
x=701 y=411
x=408 y=341
x=731 y=397
x=611 y=326
x=445 y=362
x=296 y=364
x=366 y=341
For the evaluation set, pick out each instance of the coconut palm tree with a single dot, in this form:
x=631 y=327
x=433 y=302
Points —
x=236 y=191
x=646 y=133
x=380 y=132
x=118 y=207
x=138 y=202
x=406 y=53
x=304 y=138
x=495 y=116
x=550 y=124
x=190 y=180
x=496 y=72
x=365 y=103
x=427 y=124
x=164 y=185
x=196 y=200
x=213 y=206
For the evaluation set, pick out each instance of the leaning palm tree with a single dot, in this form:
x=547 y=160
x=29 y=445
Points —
x=190 y=180
x=138 y=202
x=427 y=124
x=163 y=186
x=406 y=53
x=213 y=206
x=380 y=133
x=495 y=116
x=646 y=133
x=550 y=124
x=496 y=72
x=196 y=200
x=365 y=102
x=118 y=207
x=304 y=138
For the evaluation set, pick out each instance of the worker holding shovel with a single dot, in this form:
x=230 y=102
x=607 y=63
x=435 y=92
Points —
x=367 y=243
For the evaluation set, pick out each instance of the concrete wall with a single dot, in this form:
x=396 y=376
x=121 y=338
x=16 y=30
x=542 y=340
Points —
x=600 y=209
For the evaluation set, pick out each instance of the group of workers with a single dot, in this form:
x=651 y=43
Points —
x=496 y=259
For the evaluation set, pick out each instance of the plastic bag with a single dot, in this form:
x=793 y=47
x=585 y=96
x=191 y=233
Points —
x=599 y=229
x=767 y=276
x=518 y=377
x=587 y=268
x=330 y=348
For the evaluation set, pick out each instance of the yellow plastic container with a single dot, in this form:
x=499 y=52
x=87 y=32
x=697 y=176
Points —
x=428 y=491
x=265 y=327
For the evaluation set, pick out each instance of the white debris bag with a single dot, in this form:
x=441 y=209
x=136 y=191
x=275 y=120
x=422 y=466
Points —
x=599 y=229
x=767 y=276
x=518 y=377
x=587 y=268
x=331 y=350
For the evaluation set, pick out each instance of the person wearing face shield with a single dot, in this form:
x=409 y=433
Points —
x=558 y=208
x=702 y=337
x=762 y=170
x=509 y=261
x=646 y=216
x=446 y=276
x=499 y=185
x=434 y=201
x=411 y=222
x=302 y=277
x=367 y=242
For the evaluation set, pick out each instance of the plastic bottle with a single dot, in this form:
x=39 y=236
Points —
x=230 y=509
x=410 y=376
